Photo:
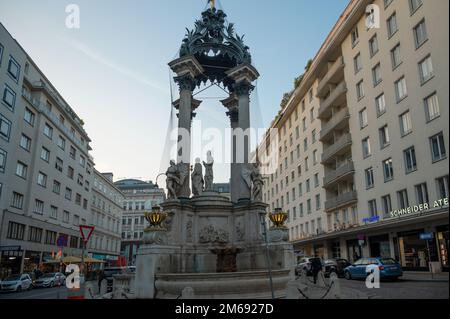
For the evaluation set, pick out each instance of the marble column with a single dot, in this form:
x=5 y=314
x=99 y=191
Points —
x=242 y=90
x=232 y=104
x=185 y=115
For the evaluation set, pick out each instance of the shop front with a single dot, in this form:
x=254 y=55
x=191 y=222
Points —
x=11 y=260
x=443 y=242
x=32 y=261
x=413 y=251
x=379 y=246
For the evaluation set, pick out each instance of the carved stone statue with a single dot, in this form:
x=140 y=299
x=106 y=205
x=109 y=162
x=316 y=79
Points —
x=172 y=181
x=209 y=174
x=197 y=178
x=258 y=183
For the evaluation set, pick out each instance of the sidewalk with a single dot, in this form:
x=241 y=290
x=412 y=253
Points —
x=425 y=276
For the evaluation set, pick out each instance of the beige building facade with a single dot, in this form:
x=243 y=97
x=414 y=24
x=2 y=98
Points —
x=46 y=171
x=383 y=116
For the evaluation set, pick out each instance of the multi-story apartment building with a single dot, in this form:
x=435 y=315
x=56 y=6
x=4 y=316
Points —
x=139 y=197
x=383 y=113
x=45 y=168
x=106 y=217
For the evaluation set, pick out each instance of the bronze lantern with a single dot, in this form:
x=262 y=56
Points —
x=278 y=218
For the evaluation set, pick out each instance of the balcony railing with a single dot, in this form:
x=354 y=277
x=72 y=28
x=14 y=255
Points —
x=343 y=141
x=338 y=173
x=341 y=200
x=335 y=120
x=338 y=65
x=340 y=89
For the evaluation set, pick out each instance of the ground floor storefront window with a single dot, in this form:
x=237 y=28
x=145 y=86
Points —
x=379 y=246
x=336 y=249
x=31 y=261
x=10 y=262
x=443 y=242
x=413 y=250
x=354 y=250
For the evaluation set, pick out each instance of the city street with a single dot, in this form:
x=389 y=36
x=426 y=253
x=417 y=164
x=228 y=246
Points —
x=401 y=289
x=41 y=293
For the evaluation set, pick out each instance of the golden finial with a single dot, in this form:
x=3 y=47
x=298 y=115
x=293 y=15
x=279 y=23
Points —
x=212 y=3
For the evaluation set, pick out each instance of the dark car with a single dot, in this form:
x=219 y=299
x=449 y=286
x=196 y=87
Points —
x=335 y=265
x=304 y=265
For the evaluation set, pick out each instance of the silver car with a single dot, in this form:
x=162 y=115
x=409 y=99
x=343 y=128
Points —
x=17 y=283
x=50 y=280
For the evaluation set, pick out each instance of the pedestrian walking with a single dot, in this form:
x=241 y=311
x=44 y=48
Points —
x=316 y=267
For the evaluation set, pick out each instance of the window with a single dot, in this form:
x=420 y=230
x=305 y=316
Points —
x=68 y=194
x=420 y=34
x=305 y=126
x=387 y=204
x=39 y=207
x=388 y=170
x=25 y=142
x=369 y=178
x=313 y=136
x=410 y=160
x=61 y=142
x=308 y=207
x=3 y=156
x=42 y=179
x=355 y=37
x=50 y=237
x=16 y=231
x=373 y=45
x=59 y=164
x=35 y=234
x=357 y=62
x=422 y=193
x=305 y=144
x=54 y=212
x=316 y=180
x=17 y=200
x=403 y=201
x=300 y=190
x=373 y=208
x=82 y=161
x=5 y=128
x=392 y=25
x=14 y=69
x=363 y=119
x=70 y=172
x=301 y=210
x=405 y=123
x=366 y=147
x=380 y=104
x=414 y=5
x=1 y=54
x=438 y=151
x=432 y=110
x=21 y=170
x=384 y=136
x=360 y=90
x=308 y=186
x=387 y=3
x=376 y=74
x=66 y=217
x=311 y=115
x=311 y=95
x=78 y=199
x=442 y=187
x=426 y=69
x=318 y=202
x=29 y=117
x=9 y=97
x=72 y=152
x=48 y=131
x=396 y=57
x=400 y=89
x=45 y=154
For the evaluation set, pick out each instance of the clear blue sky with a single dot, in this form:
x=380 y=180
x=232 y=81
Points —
x=113 y=70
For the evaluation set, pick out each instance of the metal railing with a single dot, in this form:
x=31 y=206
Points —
x=338 y=64
x=343 y=141
x=341 y=88
x=340 y=171
x=335 y=120
x=341 y=200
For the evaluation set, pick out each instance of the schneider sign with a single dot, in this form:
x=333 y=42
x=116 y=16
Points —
x=419 y=208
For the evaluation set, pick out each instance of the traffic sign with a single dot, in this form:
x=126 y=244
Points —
x=86 y=232
x=62 y=241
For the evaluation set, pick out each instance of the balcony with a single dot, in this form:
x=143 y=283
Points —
x=336 y=175
x=334 y=74
x=341 y=200
x=336 y=122
x=339 y=147
x=336 y=97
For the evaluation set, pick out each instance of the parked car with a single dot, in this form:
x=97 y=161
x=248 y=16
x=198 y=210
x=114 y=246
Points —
x=17 y=283
x=336 y=265
x=305 y=265
x=389 y=268
x=50 y=280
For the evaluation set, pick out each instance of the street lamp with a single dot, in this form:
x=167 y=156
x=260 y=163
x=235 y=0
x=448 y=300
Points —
x=156 y=181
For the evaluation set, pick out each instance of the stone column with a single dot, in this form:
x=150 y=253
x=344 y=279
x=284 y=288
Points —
x=243 y=90
x=185 y=112
x=232 y=104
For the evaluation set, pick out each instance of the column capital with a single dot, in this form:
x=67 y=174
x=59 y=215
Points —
x=233 y=114
x=186 y=82
x=243 y=88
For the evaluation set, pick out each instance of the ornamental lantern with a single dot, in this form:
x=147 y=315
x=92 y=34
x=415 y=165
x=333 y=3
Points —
x=155 y=218
x=278 y=218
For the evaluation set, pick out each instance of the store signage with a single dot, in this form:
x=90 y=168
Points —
x=372 y=219
x=427 y=236
x=419 y=208
x=10 y=248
